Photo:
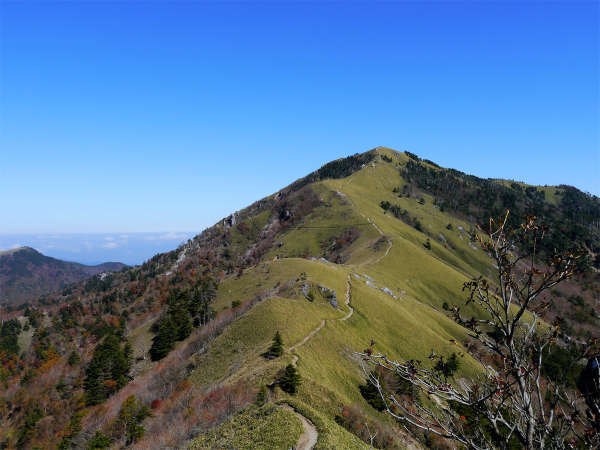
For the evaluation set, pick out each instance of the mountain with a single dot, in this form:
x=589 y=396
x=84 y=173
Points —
x=25 y=273
x=372 y=247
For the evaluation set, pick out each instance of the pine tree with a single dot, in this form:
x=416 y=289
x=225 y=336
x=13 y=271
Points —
x=108 y=370
x=290 y=380
x=276 y=349
x=182 y=319
x=164 y=340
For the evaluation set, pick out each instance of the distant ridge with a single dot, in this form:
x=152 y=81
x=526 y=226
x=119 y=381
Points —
x=26 y=273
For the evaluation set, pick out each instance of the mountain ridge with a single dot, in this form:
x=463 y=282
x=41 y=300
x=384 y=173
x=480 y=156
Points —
x=333 y=261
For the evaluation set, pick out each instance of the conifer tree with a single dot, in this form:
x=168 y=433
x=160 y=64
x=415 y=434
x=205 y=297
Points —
x=164 y=340
x=108 y=370
x=74 y=358
x=182 y=320
x=290 y=380
x=276 y=349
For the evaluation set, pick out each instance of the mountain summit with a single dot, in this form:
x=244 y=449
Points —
x=245 y=336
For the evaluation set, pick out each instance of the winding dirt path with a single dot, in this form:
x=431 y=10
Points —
x=307 y=337
x=308 y=438
x=310 y=335
x=347 y=301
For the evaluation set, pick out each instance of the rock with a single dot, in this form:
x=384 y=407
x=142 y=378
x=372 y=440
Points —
x=389 y=292
x=305 y=288
x=230 y=221
x=330 y=295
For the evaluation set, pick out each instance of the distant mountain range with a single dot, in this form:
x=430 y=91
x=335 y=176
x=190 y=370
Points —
x=25 y=273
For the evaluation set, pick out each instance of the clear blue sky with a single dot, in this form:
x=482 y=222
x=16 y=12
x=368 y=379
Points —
x=133 y=116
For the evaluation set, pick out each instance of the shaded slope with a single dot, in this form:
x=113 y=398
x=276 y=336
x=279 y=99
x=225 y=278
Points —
x=26 y=273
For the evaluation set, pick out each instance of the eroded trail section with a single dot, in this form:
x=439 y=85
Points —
x=308 y=438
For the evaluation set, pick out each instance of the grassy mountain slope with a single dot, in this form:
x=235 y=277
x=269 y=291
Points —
x=26 y=273
x=357 y=227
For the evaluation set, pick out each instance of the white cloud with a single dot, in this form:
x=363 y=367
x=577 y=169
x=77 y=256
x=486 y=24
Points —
x=15 y=246
x=109 y=238
x=110 y=245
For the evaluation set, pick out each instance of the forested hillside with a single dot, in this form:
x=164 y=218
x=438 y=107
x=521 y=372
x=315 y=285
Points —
x=25 y=274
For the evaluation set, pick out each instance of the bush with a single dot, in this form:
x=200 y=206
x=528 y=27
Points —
x=261 y=397
x=74 y=358
x=99 y=441
x=372 y=396
x=128 y=422
x=448 y=367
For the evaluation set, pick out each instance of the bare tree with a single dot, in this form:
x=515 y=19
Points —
x=512 y=403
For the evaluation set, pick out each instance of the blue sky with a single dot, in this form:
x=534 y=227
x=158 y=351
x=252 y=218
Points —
x=134 y=116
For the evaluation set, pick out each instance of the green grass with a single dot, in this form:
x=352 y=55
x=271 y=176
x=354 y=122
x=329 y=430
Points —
x=324 y=223
x=406 y=327
x=268 y=427
x=331 y=435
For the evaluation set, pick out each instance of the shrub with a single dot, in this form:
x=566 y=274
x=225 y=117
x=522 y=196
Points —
x=74 y=358
x=99 y=441
x=448 y=367
x=128 y=422
x=371 y=395
x=261 y=397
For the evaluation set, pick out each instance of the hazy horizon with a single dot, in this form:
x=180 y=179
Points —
x=96 y=248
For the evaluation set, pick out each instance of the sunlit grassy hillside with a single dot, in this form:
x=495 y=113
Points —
x=396 y=288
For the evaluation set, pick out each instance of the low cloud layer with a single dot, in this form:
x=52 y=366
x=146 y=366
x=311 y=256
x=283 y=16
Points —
x=128 y=248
